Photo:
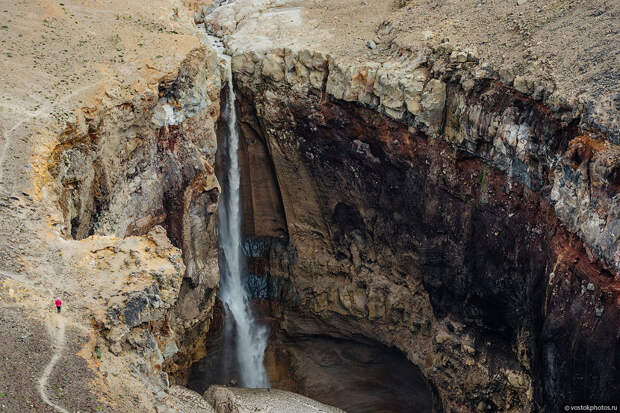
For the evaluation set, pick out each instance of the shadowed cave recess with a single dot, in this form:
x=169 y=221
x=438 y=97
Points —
x=355 y=373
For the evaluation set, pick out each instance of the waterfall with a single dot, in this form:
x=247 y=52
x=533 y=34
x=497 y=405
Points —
x=250 y=337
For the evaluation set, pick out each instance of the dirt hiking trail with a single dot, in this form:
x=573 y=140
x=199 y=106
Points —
x=56 y=329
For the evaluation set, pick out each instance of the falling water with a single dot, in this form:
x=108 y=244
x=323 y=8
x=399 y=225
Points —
x=250 y=337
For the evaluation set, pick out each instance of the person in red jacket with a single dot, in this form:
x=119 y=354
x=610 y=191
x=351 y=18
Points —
x=58 y=304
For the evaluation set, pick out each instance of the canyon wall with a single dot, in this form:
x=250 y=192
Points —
x=137 y=168
x=432 y=206
x=108 y=201
x=403 y=200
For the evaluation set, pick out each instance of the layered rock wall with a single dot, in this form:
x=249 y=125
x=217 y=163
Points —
x=436 y=207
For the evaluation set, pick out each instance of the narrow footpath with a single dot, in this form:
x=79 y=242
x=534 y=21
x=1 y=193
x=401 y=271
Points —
x=56 y=329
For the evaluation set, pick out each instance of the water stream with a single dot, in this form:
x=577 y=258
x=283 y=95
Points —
x=250 y=338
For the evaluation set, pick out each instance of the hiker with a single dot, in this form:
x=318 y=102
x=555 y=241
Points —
x=58 y=304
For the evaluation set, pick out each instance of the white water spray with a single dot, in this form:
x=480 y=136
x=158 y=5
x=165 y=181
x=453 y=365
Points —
x=250 y=338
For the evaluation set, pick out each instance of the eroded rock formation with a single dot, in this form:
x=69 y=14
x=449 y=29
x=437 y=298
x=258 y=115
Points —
x=141 y=159
x=434 y=207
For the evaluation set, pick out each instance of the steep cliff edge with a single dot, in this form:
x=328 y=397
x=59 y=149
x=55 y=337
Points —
x=432 y=200
x=109 y=196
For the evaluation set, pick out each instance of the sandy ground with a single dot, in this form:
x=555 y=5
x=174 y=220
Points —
x=58 y=54
x=39 y=361
x=574 y=44
x=23 y=355
x=69 y=384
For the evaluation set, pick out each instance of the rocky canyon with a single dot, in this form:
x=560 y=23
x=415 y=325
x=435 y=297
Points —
x=429 y=205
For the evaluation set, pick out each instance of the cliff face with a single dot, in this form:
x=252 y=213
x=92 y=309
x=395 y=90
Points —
x=468 y=220
x=138 y=161
x=109 y=196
